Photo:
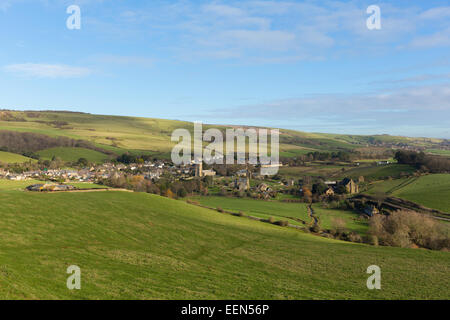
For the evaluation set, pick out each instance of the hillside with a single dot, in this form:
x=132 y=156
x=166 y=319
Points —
x=432 y=191
x=72 y=154
x=136 y=245
x=118 y=134
x=8 y=157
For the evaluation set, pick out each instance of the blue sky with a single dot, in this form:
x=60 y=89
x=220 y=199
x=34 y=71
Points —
x=305 y=65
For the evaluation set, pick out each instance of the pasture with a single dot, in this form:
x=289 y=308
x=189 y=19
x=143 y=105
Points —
x=285 y=211
x=375 y=172
x=72 y=154
x=8 y=157
x=141 y=246
x=432 y=191
x=258 y=208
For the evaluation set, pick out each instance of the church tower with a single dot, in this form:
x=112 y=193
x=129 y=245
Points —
x=199 y=169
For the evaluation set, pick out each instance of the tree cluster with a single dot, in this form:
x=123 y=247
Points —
x=426 y=163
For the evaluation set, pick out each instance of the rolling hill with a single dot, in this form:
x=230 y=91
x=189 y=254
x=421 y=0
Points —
x=141 y=246
x=119 y=134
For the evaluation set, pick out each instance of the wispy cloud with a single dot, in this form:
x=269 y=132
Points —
x=138 y=61
x=414 y=79
x=438 y=39
x=280 y=30
x=53 y=71
x=383 y=111
x=5 y=4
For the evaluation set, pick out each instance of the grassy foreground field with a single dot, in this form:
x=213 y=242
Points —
x=136 y=245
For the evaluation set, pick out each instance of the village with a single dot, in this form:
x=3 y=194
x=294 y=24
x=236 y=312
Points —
x=164 y=178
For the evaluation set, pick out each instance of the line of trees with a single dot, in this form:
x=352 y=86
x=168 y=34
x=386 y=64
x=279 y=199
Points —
x=423 y=162
x=27 y=143
x=337 y=156
x=163 y=187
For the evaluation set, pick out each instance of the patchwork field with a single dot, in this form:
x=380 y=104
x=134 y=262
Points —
x=432 y=191
x=136 y=245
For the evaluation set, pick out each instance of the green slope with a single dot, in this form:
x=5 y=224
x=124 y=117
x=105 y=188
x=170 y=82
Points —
x=432 y=191
x=73 y=154
x=7 y=157
x=258 y=208
x=136 y=245
x=378 y=172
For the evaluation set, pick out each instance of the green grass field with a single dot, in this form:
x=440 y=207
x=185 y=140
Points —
x=432 y=191
x=284 y=211
x=73 y=154
x=310 y=170
x=377 y=172
x=352 y=223
x=439 y=152
x=258 y=208
x=8 y=186
x=141 y=246
x=7 y=157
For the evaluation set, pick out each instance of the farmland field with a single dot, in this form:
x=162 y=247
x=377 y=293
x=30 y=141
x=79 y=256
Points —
x=377 y=172
x=432 y=191
x=136 y=245
x=284 y=211
x=352 y=223
x=7 y=157
x=311 y=170
x=72 y=154
x=258 y=208
x=439 y=152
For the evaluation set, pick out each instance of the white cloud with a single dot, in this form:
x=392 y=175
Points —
x=223 y=10
x=267 y=39
x=5 y=4
x=125 y=60
x=414 y=79
x=416 y=106
x=437 y=39
x=436 y=13
x=256 y=30
x=47 y=70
